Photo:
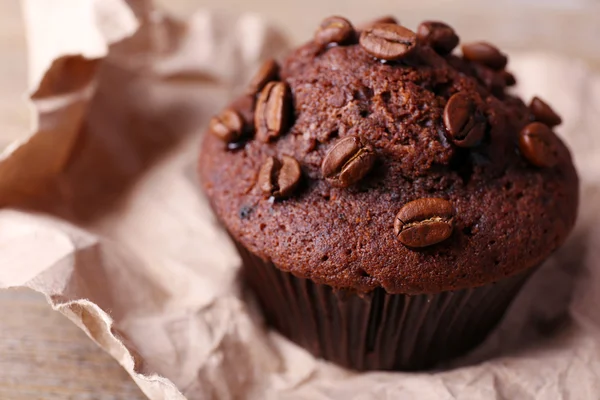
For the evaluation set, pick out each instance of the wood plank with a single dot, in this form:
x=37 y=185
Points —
x=44 y=356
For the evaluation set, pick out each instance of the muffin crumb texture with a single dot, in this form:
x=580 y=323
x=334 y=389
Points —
x=313 y=165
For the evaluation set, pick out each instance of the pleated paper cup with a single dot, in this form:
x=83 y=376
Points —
x=377 y=331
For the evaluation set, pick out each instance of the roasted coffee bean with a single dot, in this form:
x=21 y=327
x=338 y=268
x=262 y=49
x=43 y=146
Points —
x=272 y=110
x=509 y=79
x=227 y=126
x=486 y=54
x=267 y=178
x=388 y=19
x=424 y=222
x=269 y=71
x=388 y=41
x=543 y=113
x=347 y=162
x=464 y=122
x=438 y=36
x=539 y=145
x=279 y=178
x=336 y=30
x=493 y=80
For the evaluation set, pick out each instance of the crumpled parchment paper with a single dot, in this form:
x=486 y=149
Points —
x=103 y=215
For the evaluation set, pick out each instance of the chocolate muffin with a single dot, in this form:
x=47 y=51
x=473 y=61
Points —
x=389 y=198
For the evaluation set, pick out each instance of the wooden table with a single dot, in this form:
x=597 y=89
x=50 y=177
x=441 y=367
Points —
x=42 y=354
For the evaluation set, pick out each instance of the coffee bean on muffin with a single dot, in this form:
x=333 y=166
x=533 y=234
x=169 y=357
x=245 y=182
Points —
x=227 y=126
x=334 y=30
x=424 y=222
x=464 y=122
x=539 y=145
x=438 y=35
x=348 y=161
x=272 y=111
x=388 y=41
x=509 y=79
x=279 y=178
x=543 y=113
x=486 y=54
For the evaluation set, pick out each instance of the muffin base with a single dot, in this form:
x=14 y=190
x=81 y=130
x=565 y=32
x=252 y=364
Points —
x=377 y=331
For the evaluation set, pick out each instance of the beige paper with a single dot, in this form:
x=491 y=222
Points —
x=113 y=229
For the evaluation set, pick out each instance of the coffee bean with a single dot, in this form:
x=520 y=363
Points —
x=486 y=54
x=539 y=145
x=493 y=80
x=388 y=41
x=509 y=79
x=272 y=110
x=347 y=162
x=267 y=175
x=336 y=30
x=464 y=122
x=227 y=126
x=279 y=178
x=542 y=112
x=269 y=71
x=438 y=36
x=424 y=222
x=387 y=19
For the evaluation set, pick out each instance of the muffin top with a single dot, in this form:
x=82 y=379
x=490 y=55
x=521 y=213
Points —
x=378 y=158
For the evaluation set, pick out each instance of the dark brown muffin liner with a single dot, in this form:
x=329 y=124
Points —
x=378 y=331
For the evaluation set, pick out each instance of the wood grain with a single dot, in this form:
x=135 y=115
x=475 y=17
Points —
x=45 y=356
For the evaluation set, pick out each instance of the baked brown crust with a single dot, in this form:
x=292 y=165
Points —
x=509 y=214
